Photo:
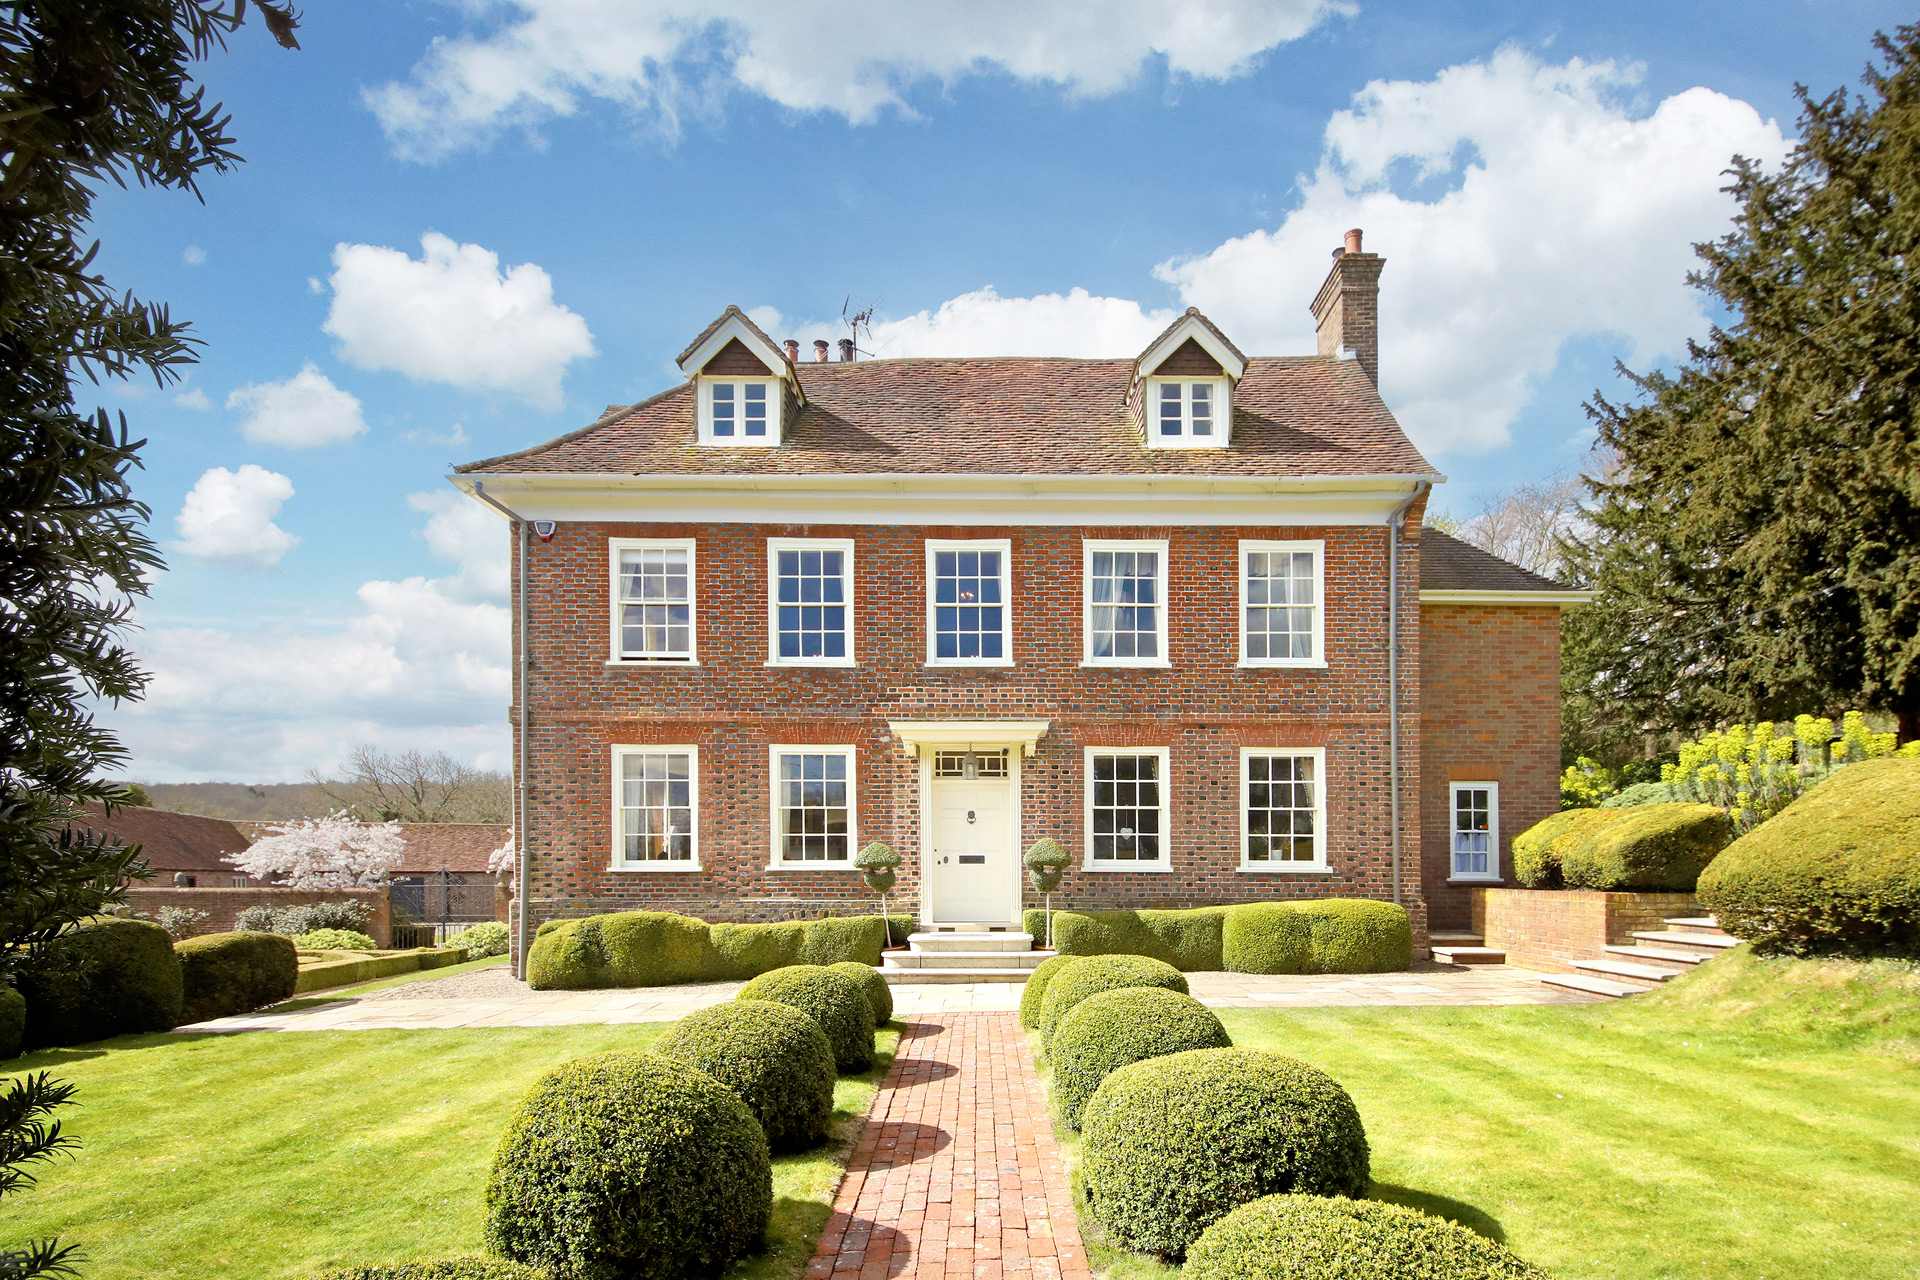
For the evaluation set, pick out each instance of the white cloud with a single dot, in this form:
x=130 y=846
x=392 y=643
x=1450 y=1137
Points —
x=304 y=412
x=983 y=323
x=194 y=256
x=1565 y=214
x=227 y=518
x=453 y=316
x=664 y=58
x=420 y=663
x=453 y=438
x=193 y=398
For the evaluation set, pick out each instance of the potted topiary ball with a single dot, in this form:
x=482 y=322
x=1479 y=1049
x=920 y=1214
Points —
x=876 y=863
x=1047 y=862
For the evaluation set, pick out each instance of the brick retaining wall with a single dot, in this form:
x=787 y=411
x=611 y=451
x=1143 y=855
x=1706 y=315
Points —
x=222 y=905
x=1548 y=929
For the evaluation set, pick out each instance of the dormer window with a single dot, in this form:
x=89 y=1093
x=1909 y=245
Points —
x=1189 y=413
x=740 y=411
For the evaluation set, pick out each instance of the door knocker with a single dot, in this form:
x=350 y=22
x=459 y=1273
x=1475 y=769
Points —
x=969 y=815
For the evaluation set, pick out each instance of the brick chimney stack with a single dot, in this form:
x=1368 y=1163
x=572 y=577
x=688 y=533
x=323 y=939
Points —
x=1347 y=308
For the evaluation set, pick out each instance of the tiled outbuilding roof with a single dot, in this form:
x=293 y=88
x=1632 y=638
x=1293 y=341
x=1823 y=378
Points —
x=170 y=842
x=1448 y=564
x=450 y=846
x=1293 y=417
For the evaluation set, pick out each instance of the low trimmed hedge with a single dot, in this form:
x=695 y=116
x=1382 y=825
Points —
x=482 y=940
x=1095 y=974
x=1114 y=1029
x=1033 y=996
x=629 y=1164
x=1296 y=1237
x=1646 y=848
x=106 y=978
x=13 y=1021
x=833 y=999
x=1837 y=872
x=444 y=1269
x=661 y=948
x=773 y=1056
x=1340 y=935
x=222 y=974
x=320 y=970
x=334 y=940
x=1170 y=1145
x=879 y=994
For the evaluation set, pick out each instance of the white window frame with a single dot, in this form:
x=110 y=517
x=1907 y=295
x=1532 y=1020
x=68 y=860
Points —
x=1165 y=862
x=618 y=658
x=1222 y=403
x=619 y=860
x=774 y=547
x=1492 y=873
x=1318 y=548
x=1163 y=608
x=776 y=398
x=777 y=842
x=1319 y=864
x=1005 y=547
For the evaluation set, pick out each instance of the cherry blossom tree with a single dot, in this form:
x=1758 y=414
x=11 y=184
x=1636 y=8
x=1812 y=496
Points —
x=503 y=861
x=333 y=852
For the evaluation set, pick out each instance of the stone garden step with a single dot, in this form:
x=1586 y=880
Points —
x=1468 y=955
x=1707 y=942
x=902 y=977
x=1681 y=959
x=1626 y=971
x=1591 y=985
x=1696 y=924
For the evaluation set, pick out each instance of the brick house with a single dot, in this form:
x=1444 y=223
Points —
x=1141 y=605
x=183 y=850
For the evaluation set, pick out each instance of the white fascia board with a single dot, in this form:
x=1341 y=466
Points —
x=770 y=355
x=1563 y=599
x=958 y=500
x=1191 y=327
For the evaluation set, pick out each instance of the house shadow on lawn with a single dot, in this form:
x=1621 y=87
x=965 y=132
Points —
x=1473 y=1219
x=44 y=1059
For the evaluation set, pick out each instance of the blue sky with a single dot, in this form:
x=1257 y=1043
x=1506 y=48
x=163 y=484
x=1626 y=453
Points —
x=598 y=180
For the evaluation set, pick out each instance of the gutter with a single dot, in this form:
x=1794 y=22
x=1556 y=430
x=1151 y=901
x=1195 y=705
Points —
x=1395 y=524
x=525 y=868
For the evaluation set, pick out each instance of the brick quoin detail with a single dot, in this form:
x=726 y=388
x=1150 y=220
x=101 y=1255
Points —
x=956 y=1174
x=733 y=706
x=1490 y=710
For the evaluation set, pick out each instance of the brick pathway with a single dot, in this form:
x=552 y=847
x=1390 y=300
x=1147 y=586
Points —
x=956 y=1175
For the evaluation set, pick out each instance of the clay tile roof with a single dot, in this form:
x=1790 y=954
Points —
x=1294 y=416
x=450 y=846
x=1448 y=564
x=171 y=842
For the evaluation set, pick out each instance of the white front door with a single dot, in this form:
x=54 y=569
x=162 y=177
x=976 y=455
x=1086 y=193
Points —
x=970 y=860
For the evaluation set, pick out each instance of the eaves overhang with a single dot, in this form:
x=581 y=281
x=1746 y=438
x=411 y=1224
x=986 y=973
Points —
x=1561 y=599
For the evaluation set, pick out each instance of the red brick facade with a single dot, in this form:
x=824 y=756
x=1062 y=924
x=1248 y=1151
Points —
x=1490 y=710
x=1548 y=929
x=1204 y=708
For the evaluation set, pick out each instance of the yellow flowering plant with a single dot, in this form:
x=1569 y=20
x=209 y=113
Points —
x=1755 y=771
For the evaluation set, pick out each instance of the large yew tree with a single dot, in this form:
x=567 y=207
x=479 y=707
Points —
x=1757 y=549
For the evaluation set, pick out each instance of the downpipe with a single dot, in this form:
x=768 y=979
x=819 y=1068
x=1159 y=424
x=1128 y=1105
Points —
x=523 y=858
x=1395 y=524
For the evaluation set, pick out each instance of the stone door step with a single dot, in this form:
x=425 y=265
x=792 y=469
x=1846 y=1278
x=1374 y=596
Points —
x=964 y=959
x=1675 y=938
x=1455 y=938
x=1592 y=986
x=1661 y=955
x=1626 y=971
x=910 y=977
x=970 y=941
x=1469 y=955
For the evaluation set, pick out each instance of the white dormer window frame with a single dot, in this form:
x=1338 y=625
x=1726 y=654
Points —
x=1199 y=411
x=732 y=405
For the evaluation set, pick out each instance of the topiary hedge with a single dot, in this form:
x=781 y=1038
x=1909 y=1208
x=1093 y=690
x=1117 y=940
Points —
x=629 y=1164
x=879 y=994
x=1113 y=1029
x=773 y=1056
x=222 y=974
x=1296 y=1237
x=1095 y=974
x=1034 y=994
x=1170 y=1145
x=444 y=1269
x=108 y=978
x=660 y=948
x=1323 y=935
x=13 y=1021
x=1836 y=872
x=1648 y=848
x=834 y=1000
x=1537 y=851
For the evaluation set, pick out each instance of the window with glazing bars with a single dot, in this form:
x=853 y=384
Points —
x=1186 y=410
x=1472 y=830
x=1282 y=604
x=656 y=603
x=969 y=615
x=1126 y=808
x=656 y=806
x=811 y=602
x=815 y=810
x=1282 y=809
x=739 y=410
x=1123 y=590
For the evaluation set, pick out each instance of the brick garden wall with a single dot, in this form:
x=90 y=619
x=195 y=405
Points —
x=222 y=905
x=732 y=706
x=1490 y=710
x=1548 y=929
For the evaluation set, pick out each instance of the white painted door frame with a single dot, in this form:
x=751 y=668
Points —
x=929 y=911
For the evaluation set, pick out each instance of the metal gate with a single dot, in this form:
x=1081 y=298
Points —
x=442 y=900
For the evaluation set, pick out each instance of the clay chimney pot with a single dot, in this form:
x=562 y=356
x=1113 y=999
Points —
x=819 y=350
x=793 y=350
x=1353 y=240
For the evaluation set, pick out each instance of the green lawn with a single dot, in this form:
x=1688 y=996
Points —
x=1759 y=1120
x=270 y=1155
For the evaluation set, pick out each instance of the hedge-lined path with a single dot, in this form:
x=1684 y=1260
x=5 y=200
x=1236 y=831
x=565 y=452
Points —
x=503 y=1002
x=956 y=1174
